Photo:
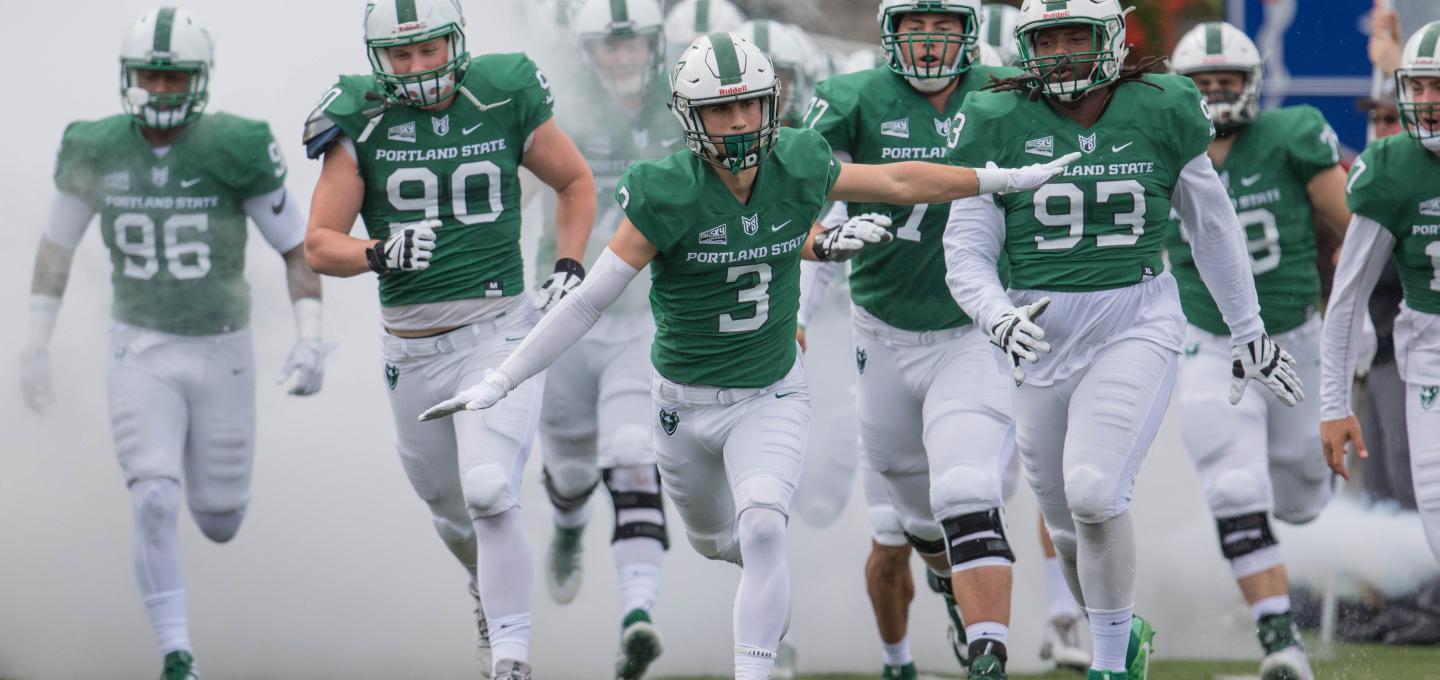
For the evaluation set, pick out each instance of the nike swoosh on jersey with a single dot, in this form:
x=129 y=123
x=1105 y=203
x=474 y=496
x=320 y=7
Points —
x=782 y=395
x=1122 y=147
x=187 y=183
x=1247 y=181
x=279 y=207
x=471 y=129
x=778 y=227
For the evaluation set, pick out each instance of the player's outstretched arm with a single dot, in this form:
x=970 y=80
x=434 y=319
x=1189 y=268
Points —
x=68 y=219
x=629 y=251
x=280 y=222
x=556 y=161
x=1363 y=256
x=339 y=193
x=916 y=182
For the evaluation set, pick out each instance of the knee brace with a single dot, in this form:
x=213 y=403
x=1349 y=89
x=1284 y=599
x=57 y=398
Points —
x=964 y=489
x=924 y=546
x=977 y=540
x=1091 y=495
x=218 y=526
x=1247 y=542
x=487 y=490
x=562 y=501
x=639 y=511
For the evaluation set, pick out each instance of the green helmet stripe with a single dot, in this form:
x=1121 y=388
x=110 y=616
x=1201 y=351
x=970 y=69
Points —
x=702 y=16
x=1427 y=44
x=1053 y=5
x=619 y=11
x=1213 y=44
x=762 y=35
x=405 y=11
x=996 y=31
x=164 y=25
x=725 y=58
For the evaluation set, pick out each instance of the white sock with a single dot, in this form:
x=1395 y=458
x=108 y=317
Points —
x=762 y=603
x=1062 y=602
x=156 y=555
x=1110 y=631
x=1280 y=604
x=167 y=617
x=505 y=583
x=637 y=569
x=573 y=519
x=898 y=654
x=989 y=630
x=753 y=663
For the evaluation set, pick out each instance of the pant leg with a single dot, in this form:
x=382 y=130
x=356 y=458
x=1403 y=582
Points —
x=1301 y=480
x=969 y=430
x=1227 y=443
x=689 y=449
x=892 y=428
x=624 y=404
x=149 y=411
x=1388 y=437
x=1422 y=406
x=569 y=428
x=1041 y=422
x=220 y=449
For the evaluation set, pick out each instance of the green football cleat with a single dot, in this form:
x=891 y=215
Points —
x=956 y=631
x=1093 y=674
x=179 y=665
x=1142 y=645
x=564 y=564
x=1284 y=652
x=639 y=645
x=906 y=672
x=987 y=667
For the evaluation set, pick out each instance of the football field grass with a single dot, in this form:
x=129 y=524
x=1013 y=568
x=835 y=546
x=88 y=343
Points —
x=1349 y=662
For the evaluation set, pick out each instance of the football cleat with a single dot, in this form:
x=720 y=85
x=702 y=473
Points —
x=564 y=566
x=906 y=672
x=1142 y=645
x=956 y=631
x=986 y=667
x=509 y=669
x=639 y=645
x=1063 y=643
x=482 y=637
x=179 y=665
x=1284 y=653
x=785 y=663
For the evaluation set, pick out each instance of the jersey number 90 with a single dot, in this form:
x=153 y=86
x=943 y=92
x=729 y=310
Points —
x=400 y=189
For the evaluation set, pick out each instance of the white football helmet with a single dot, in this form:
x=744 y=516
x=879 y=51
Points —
x=1089 y=70
x=690 y=19
x=610 y=31
x=166 y=39
x=396 y=23
x=1421 y=60
x=790 y=52
x=997 y=29
x=1218 y=46
x=718 y=69
x=904 y=50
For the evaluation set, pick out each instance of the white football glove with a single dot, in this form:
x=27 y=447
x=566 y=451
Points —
x=307 y=363
x=35 y=381
x=406 y=250
x=1020 y=338
x=994 y=179
x=1265 y=362
x=567 y=277
x=839 y=244
x=482 y=395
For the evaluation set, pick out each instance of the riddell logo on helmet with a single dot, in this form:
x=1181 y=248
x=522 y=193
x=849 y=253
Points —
x=406 y=28
x=738 y=89
x=1055 y=15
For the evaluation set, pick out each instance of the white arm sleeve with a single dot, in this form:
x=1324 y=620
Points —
x=1218 y=242
x=1363 y=255
x=278 y=218
x=974 y=236
x=570 y=320
x=69 y=218
x=816 y=277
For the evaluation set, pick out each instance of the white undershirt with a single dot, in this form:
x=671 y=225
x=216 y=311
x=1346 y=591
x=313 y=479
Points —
x=1363 y=255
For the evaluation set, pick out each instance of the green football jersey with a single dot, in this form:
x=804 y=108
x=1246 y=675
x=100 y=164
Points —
x=876 y=117
x=459 y=165
x=174 y=224
x=1396 y=182
x=1269 y=167
x=725 y=285
x=1101 y=224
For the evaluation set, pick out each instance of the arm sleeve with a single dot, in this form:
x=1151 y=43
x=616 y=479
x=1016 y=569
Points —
x=1218 y=244
x=68 y=219
x=278 y=219
x=571 y=319
x=1363 y=256
x=974 y=238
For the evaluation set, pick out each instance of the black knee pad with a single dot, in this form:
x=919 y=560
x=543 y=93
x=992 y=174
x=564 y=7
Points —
x=1240 y=536
x=636 y=500
x=963 y=551
x=925 y=547
x=562 y=502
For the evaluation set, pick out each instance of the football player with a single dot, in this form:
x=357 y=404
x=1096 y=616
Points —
x=426 y=150
x=998 y=31
x=595 y=424
x=934 y=412
x=1088 y=248
x=789 y=49
x=724 y=227
x=1258 y=458
x=687 y=20
x=173 y=186
x=1392 y=189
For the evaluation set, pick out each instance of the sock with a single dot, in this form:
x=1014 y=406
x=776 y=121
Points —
x=1062 y=602
x=753 y=663
x=762 y=602
x=1280 y=604
x=505 y=583
x=156 y=555
x=637 y=570
x=898 y=654
x=1110 y=630
x=988 y=630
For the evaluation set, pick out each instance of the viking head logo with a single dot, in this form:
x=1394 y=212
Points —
x=669 y=421
x=392 y=376
x=1427 y=396
x=860 y=359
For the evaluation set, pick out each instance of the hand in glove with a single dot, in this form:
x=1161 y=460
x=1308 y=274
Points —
x=482 y=395
x=994 y=179
x=35 y=382
x=406 y=250
x=1020 y=338
x=567 y=277
x=839 y=244
x=1265 y=362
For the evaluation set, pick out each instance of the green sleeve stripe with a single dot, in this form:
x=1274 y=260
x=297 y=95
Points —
x=702 y=16
x=619 y=11
x=405 y=12
x=1427 y=44
x=1213 y=43
x=725 y=58
x=164 y=25
x=762 y=35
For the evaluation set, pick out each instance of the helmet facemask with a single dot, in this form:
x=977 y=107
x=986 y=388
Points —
x=1089 y=70
x=729 y=151
x=1233 y=109
x=425 y=88
x=1421 y=119
x=625 y=77
x=163 y=111
x=906 y=52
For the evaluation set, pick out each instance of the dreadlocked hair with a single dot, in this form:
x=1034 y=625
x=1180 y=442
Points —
x=1034 y=85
